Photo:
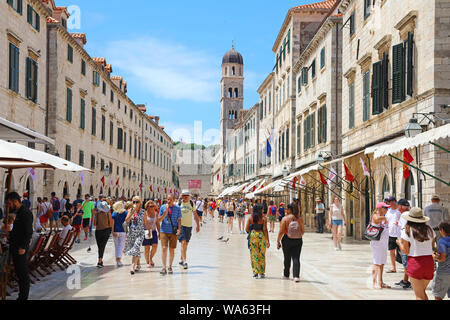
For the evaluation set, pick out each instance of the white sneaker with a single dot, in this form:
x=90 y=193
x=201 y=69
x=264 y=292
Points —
x=336 y=249
x=296 y=279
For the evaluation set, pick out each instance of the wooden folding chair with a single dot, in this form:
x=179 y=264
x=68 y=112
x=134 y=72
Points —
x=58 y=251
x=34 y=255
x=65 y=254
x=47 y=257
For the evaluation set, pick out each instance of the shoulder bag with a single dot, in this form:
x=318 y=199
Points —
x=373 y=233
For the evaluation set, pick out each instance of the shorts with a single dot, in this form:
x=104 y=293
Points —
x=441 y=285
x=55 y=216
x=200 y=213
x=76 y=228
x=86 y=222
x=420 y=268
x=272 y=217
x=221 y=212
x=240 y=215
x=185 y=234
x=392 y=243
x=337 y=222
x=43 y=219
x=169 y=240
x=230 y=214
x=152 y=241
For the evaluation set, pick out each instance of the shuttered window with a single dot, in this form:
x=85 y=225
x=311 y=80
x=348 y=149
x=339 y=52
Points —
x=95 y=78
x=94 y=122
x=313 y=130
x=351 y=107
x=298 y=138
x=305 y=134
x=410 y=65
x=282 y=146
x=69 y=105
x=322 y=58
x=322 y=124
x=376 y=88
x=366 y=8
x=366 y=96
x=111 y=133
x=82 y=114
x=16 y=5
x=69 y=53
x=305 y=76
x=287 y=143
x=119 y=138
x=33 y=18
x=68 y=152
x=352 y=23
x=124 y=141
x=313 y=69
x=398 y=73
x=83 y=67
x=13 y=68
x=103 y=127
x=288 y=43
x=31 y=79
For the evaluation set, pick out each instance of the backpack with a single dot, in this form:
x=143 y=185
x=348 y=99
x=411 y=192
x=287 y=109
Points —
x=273 y=210
x=56 y=205
x=294 y=231
x=192 y=204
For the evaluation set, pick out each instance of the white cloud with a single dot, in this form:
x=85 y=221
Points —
x=168 y=70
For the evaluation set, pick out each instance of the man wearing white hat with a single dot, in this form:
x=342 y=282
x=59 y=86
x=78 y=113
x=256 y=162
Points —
x=187 y=211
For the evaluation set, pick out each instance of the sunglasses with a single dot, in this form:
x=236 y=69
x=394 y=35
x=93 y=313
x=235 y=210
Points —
x=136 y=202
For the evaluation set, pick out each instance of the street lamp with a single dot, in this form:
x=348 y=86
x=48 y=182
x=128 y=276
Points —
x=134 y=178
x=323 y=155
x=106 y=170
x=285 y=171
x=146 y=180
x=413 y=128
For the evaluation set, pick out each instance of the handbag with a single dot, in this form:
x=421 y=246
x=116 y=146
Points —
x=372 y=232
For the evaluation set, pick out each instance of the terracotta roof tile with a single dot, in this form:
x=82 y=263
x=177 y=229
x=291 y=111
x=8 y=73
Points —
x=327 y=4
x=81 y=36
x=52 y=20
x=116 y=78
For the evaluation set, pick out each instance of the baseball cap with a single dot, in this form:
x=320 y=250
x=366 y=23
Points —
x=391 y=198
x=185 y=193
x=382 y=205
x=403 y=202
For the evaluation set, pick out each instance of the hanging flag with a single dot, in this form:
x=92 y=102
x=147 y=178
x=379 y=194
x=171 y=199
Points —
x=302 y=182
x=141 y=187
x=322 y=178
x=117 y=182
x=332 y=175
x=82 y=178
x=348 y=175
x=294 y=182
x=364 y=167
x=151 y=188
x=103 y=181
x=407 y=158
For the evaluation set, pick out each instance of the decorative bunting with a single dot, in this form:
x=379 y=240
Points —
x=348 y=175
x=364 y=167
x=332 y=175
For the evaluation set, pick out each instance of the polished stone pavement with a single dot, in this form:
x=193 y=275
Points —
x=219 y=270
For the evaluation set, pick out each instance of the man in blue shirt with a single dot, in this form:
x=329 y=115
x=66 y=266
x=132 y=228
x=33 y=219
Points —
x=170 y=219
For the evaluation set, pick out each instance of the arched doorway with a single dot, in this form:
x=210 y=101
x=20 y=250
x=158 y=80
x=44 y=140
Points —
x=385 y=189
x=65 y=189
x=410 y=189
x=79 y=191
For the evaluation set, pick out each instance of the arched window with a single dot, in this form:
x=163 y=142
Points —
x=236 y=93
x=385 y=189
x=233 y=71
x=226 y=71
x=230 y=93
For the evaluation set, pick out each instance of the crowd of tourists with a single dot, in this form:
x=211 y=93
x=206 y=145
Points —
x=418 y=239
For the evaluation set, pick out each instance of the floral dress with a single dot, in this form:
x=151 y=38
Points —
x=257 y=243
x=135 y=235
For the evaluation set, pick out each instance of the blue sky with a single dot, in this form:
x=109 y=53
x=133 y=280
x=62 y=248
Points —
x=170 y=52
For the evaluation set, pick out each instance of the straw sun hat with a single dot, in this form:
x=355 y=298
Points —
x=415 y=215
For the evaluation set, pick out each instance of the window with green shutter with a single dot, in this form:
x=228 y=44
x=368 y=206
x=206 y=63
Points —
x=31 y=78
x=351 y=108
x=376 y=88
x=305 y=134
x=103 y=127
x=111 y=133
x=352 y=23
x=16 y=5
x=313 y=69
x=322 y=124
x=33 y=18
x=83 y=67
x=384 y=82
x=69 y=53
x=282 y=145
x=299 y=83
x=81 y=158
x=69 y=105
x=68 y=152
x=398 y=73
x=305 y=76
x=322 y=58
x=95 y=78
x=82 y=114
x=288 y=43
x=13 y=68
x=125 y=142
x=119 y=138
x=94 y=122
x=410 y=65
x=366 y=95
x=366 y=8
x=313 y=130
x=298 y=138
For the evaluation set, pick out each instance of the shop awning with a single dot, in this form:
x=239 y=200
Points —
x=398 y=145
x=302 y=172
x=251 y=185
x=270 y=186
x=11 y=131
x=14 y=155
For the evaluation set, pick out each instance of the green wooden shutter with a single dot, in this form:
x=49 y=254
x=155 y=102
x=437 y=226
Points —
x=69 y=105
x=298 y=138
x=38 y=21
x=82 y=114
x=313 y=69
x=313 y=129
x=410 y=66
x=34 y=93
x=324 y=123
x=352 y=23
x=29 y=14
x=398 y=73
x=384 y=83
x=376 y=88
x=305 y=134
x=289 y=41
x=366 y=95
x=351 y=109
x=322 y=58
x=11 y=66
x=28 y=79
x=19 y=6
x=287 y=143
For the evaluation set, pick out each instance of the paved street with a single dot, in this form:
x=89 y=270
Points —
x=219 y=270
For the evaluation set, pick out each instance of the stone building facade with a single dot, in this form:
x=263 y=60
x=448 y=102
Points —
x=86 y=110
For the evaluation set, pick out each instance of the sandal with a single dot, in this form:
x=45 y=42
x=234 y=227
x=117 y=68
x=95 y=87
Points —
x=385 y=286
x=391 y=271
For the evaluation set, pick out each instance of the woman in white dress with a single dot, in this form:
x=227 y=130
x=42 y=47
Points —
x=380 y=247
x=336 y=221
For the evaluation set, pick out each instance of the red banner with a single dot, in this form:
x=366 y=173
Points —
x=407 y=158
x=195 y=184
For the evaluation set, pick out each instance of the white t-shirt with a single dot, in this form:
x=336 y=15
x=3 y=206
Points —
x=393 y=216
x=63 y=234
x=199 y=205
x=418 y=249
x=336 y=213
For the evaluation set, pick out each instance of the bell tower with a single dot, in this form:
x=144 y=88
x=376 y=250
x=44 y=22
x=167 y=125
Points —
x=232 y=93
